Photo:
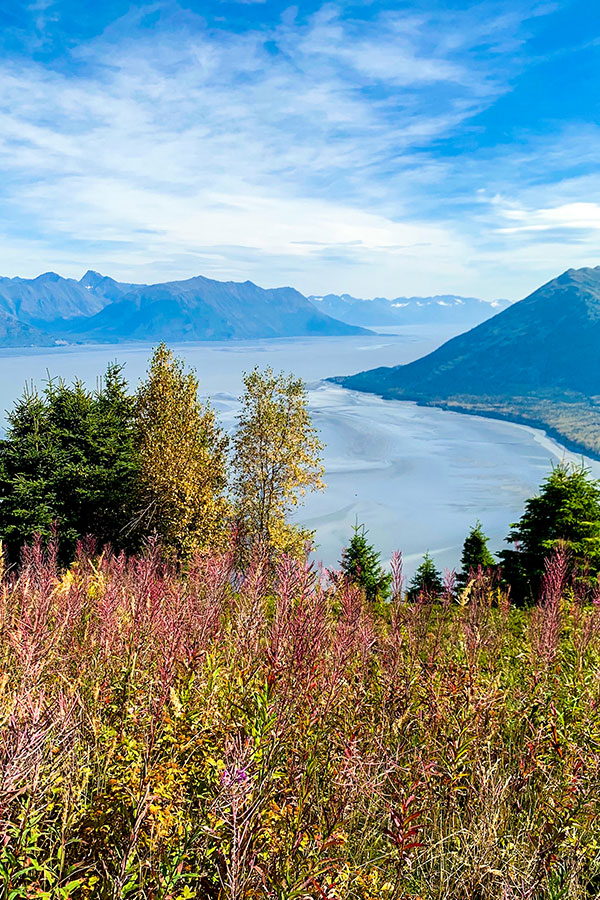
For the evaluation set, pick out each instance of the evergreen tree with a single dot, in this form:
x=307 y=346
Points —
x=567 y=510
x=277 y=458
x=68 y=463
x=28 y=501
x=475 y=555
x=182 y=459
x=360 y=565
x=427 y=580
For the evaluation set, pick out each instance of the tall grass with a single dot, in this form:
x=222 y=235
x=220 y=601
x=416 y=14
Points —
x=237 y=735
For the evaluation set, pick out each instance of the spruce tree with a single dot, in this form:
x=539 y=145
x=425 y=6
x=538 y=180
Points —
x=361 y=565
x=475 y=555
x=427 y=580
x=68 y=464
x=567 y=511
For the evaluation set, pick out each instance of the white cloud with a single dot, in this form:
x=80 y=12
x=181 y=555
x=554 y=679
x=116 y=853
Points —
x=296 y=153
x=577 y=216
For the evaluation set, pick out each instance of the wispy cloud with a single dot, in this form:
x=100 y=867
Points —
x=304 y=149
x=577 y=216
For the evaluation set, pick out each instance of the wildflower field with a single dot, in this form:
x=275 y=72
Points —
x=272 y=735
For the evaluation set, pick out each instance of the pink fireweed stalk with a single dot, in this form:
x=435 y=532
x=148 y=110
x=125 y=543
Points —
x=243 y=792
x=248 y=619
x=397 y=567
x=475 y=621
x=546 y=619
x=586 y=625
x=34 y=738
x=449 y=592
x=298 y=637
x=417 y=617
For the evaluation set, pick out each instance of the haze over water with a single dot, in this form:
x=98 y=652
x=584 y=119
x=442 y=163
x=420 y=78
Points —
x=418 y=478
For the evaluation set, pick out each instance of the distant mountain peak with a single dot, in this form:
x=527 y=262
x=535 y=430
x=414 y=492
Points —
x=92 y=279
x=48 y=277
x=91 y=275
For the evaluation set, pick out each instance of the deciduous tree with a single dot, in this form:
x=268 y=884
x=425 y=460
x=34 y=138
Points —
x=277 y=458
x=182 y=453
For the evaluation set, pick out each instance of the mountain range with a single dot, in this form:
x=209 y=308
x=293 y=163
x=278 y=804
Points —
x=50 y=309
x=200 y=309
x=438 y=310
x=537 y=362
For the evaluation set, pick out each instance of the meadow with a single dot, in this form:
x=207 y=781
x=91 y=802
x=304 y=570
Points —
x=268 y=734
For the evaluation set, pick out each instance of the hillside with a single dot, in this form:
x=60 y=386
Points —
x=438 y=310
x=14 y=333
x=535 y=362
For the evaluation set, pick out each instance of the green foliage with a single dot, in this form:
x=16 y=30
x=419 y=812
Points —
x=182 y=459
x=475 y=555
x=361 y=565
x=426 y=581
x=68 y=462
x=566 y=511
x=277 y=458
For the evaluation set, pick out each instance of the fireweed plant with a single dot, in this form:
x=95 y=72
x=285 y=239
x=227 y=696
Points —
x=244 y=735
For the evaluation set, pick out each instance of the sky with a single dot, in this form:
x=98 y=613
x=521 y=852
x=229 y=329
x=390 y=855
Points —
x=379 y=149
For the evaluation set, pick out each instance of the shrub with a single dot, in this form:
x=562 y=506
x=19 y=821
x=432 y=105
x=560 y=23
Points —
x=231 y=735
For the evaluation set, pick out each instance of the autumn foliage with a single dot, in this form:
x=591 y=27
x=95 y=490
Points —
x=199 y=713
x=243 y=735
x=277 y=459
x=182 y=456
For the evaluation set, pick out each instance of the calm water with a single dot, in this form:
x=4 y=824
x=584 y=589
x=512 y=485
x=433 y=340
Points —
x=418 y=478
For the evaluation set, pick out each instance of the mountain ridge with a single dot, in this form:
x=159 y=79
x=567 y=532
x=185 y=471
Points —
x=201 y=308
x=415 y=310
x=536 y=362
x=50 y=309
x=34 y=301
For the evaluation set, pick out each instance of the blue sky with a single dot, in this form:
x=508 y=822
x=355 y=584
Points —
x=373 y=148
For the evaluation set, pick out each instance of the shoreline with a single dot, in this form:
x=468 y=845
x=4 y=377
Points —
x=516 y=419
x=513 y=418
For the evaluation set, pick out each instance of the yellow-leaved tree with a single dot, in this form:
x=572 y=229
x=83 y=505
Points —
x=183 y=461
x=277 y=458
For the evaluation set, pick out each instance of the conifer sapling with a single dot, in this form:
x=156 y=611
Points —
x=361 y=565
